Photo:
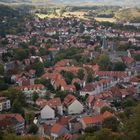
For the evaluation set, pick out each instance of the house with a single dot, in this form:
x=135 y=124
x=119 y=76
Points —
x=5 y=104
x=90 y=101
x=63 y=63
x=136 y=83
x=41 y=102
x=129 y=61
x=58 y=81
x=58 y=130
x=47 y=113
x=74 y=125
x=118 y=76
x=99 y=104
x=94 y=121
x=72 y=105
x=15 y=121
x=56 y=104
x=97 y=87
x=132 y=52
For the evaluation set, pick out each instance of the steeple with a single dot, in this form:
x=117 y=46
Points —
x=104 y=43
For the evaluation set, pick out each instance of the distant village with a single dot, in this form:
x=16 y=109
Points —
x=73 y=74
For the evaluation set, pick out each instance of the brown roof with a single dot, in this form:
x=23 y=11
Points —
x=56 y=128
x=69 y=99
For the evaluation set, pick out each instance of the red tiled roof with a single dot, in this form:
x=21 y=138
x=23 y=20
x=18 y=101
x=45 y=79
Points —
x=54 y=102
x=64 y=120
x=72 y=69
x=69 y=99
x=88 y=120
x=127 y=59
x=100 y=103
x=63 y=62
x=7 y=120
x=97 y=119
x=107 y=114
x=135 y=79
x=88 y=88
x=56 y=128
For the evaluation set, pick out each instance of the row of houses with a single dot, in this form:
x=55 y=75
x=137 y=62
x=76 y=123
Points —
x=51 y=108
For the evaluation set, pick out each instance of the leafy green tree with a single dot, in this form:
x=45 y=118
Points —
x=15 y=137
x=21 y=53
x=104 y=62
x=35 y=96
x=29 y=117
x=42 y=51
x=3 y=85
x=39 y=67
x=1 y=69
x=62 y=94
x=132 y=125
x=106 y=108
x=13 y=94
x=128 y=102
x=119 y=66
x=46 y=83
x=68 y=76
x=111 y=123
x=17 y=107
x=90 y=78
x=80 y=74
x=77 y=86
x=33 y=129
x=137 y=57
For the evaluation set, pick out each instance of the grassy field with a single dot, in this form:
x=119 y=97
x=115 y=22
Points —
x=79 y=15
x=106 y=19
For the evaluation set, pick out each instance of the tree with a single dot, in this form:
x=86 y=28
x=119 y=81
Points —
x=33 y=129
x=13 y=94
x=21 y=53
x=1 y=69
x=29 y=117
x=35 y=96
x=119 y=66
x=39 y=67
x=80 y=74
x=77 y=86
x=90 y=78
x=111 y=123
x=106 y=108
x=46 y=83
x=103 y=134
x=62 y=94
x=68 y=76
x=17 y=107
x=137 y=57
x=15 y=137
x=42 y=51
x=128 y=102
x=104 y=62
x=3 y=85
x=132 y=125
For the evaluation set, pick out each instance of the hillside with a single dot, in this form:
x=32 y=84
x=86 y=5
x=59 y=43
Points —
x=128 y=15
